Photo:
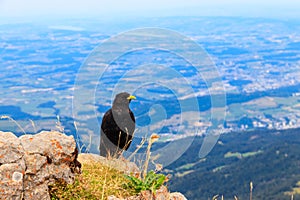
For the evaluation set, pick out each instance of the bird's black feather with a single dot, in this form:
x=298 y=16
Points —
x=117 y=128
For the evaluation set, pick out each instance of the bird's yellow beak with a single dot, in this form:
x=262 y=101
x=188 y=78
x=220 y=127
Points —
x=131 y=97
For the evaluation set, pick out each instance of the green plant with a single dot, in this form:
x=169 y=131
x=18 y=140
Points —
x=151 y=181
x=153 y=138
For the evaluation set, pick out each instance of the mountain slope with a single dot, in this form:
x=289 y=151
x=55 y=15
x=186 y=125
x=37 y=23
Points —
x=270 y=159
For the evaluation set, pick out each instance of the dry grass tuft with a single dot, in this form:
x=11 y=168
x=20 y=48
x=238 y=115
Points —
x=96 y=182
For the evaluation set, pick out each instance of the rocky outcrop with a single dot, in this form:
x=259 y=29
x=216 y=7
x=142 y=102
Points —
x=29 y=164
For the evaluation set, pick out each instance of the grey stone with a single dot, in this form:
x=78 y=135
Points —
x=177 y=196
x=11 y=181
x=161 y=194
x=30 y=163
x=10 y=148
x=57 y=146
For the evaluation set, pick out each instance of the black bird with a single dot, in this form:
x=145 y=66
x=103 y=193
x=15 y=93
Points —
x=117 y=127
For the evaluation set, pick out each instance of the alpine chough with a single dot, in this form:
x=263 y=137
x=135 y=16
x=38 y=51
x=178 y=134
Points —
x=117 y=127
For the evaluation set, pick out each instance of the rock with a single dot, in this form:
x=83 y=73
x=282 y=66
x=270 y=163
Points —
x=10 y=148
x=177 y=196
x=11 y=181
x=161 y=194
x=12 y=166
x=30 y=163
x=118 y=164
x=54 y=145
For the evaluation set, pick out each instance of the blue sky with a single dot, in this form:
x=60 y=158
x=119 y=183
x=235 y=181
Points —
x=136 y=8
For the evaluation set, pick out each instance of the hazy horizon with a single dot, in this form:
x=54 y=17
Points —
x=33 y=9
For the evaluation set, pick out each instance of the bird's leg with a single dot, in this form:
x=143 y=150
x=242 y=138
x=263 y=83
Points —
x=127 y=142
x=127 y=135
x=118 y=151
x=119 y=140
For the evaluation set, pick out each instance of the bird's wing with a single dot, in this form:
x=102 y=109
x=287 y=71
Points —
x=106 y=120
x=132 y=115
x=131 y=124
